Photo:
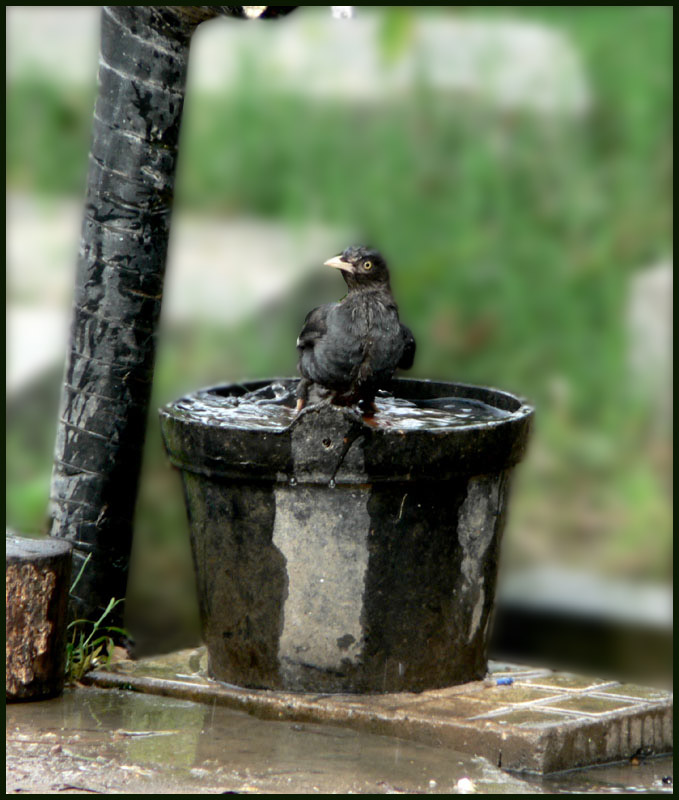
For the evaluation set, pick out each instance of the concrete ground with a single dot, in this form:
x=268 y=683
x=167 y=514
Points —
x=163 y=727
x=522 y=719
x=112 y=741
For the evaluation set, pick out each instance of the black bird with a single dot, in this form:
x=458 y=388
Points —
x=351 y=349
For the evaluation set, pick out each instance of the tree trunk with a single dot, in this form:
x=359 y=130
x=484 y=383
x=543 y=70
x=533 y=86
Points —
x=37 y=575
x=109 y=369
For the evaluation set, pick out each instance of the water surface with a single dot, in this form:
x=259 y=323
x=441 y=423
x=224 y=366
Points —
x=272 y=407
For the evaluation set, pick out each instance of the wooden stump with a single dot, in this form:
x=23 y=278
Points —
x=37 y=577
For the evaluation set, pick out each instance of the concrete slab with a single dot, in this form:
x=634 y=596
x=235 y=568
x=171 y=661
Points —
x=522 y=719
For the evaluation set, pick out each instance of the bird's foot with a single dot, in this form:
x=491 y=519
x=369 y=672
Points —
x=368 y=409
x=302 y=402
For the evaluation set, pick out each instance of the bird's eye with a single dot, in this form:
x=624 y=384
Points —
x=368 y=265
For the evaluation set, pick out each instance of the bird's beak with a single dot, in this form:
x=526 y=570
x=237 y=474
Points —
x=339 y=263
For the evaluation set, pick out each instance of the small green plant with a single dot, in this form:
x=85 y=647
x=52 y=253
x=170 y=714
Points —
x=91 y=644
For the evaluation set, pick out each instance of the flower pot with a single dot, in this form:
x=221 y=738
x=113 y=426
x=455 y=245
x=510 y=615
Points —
x=336 y=556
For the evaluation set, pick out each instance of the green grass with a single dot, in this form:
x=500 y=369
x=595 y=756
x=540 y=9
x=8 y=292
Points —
x=91 y=643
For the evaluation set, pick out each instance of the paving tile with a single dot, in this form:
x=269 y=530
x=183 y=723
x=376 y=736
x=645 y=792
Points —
x=498 y=669
x=453 y=708
x=633 y=691
x=566 y=681
x=532 y=717
x=587 y=704
x=385 y=702
x=514 y=694
x=455 y=691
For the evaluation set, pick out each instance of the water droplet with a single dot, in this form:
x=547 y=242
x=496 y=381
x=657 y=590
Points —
x=332 y=483
x=465 y=786
x=293 y=480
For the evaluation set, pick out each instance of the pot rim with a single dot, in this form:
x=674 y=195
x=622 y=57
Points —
x=205 y=446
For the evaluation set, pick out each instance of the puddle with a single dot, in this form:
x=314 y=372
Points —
x=98 y=740
x=653 y=776
x=272 y=407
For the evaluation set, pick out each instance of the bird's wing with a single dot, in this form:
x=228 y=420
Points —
x=315 y=326
x=408 y=356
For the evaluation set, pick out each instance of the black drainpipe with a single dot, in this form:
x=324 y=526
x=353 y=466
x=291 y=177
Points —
x=119 y=284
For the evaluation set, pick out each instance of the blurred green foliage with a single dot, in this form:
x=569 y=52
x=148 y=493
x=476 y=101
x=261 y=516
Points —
x=511 y=236
x=48 y=135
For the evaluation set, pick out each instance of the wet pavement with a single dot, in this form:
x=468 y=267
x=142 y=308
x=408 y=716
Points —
x=94 y=740
x=523 y=719
x=162 y=726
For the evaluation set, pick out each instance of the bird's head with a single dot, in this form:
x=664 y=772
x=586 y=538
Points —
x=362 y=267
